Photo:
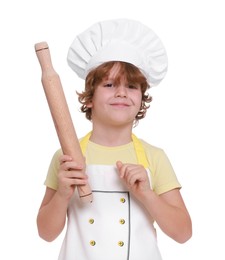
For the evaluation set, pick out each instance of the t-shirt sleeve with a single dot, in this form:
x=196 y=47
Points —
x=163 y=177
x=51 y=179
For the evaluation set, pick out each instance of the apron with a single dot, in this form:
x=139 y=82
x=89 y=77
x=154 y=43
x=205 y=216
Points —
x=114 y=226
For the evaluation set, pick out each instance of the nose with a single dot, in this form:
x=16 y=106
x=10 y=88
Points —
x=121 y=91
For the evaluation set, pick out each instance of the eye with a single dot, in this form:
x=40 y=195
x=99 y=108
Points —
x=108 y=85
x=133 y=87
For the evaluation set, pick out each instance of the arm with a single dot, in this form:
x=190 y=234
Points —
x=167 y=209
x=170 y=213
x=52 y=214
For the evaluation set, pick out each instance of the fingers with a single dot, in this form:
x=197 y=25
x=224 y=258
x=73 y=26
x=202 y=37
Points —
x=70 y=172
x=67 y=163
x=65 y=158
x=70 y=175
x=119 y=166
x=131 y=173
x=134 y=175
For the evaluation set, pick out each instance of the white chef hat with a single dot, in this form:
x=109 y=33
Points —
x=119 y=40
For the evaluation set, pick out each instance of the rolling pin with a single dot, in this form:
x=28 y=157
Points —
x=60 y=113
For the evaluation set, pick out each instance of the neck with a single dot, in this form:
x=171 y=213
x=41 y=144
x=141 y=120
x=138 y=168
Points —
x=111 y=136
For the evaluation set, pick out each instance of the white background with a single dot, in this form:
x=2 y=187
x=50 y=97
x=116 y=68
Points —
x=186 y=117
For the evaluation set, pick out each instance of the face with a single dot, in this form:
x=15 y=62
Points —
x=115 y=102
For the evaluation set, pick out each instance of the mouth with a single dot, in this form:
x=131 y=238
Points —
x=120 y=105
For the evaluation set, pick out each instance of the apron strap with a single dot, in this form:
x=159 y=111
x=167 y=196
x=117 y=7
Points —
x=138 y=146
x=84 y=142
x=140 y=152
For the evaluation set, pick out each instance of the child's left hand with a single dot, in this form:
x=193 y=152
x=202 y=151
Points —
x=135 y=177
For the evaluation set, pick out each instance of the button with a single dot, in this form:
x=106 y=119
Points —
x=120 y=243
x=122 y=221
x=122 y=200
x=91 y=221
x=92 y=243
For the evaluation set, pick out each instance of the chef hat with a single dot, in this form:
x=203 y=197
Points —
x=119 y=40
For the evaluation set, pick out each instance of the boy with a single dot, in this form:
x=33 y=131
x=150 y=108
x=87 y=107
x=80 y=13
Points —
x=133 y=182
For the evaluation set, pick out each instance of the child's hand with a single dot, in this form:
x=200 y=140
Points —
x=135 y=177
x=69 y=176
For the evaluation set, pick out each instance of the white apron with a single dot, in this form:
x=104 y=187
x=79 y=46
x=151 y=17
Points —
x=114 y=226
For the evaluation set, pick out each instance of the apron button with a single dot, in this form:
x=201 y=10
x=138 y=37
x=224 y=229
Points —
x=91 y=221
x=92 y=243
x=120 y=243
x=122 y=200
x=122 y=221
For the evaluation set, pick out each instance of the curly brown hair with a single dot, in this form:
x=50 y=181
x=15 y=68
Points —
x=131 y=73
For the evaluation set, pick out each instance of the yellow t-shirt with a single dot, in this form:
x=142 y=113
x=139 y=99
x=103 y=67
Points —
x=163 y=177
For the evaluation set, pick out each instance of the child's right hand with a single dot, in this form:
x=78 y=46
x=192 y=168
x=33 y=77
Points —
x=70 y=175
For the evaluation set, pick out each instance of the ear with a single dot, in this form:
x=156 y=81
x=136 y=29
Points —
x=89 y=105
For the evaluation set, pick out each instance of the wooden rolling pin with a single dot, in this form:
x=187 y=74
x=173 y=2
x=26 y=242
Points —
x=60 y=113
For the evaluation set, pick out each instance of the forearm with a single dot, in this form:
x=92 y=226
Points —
x=51 y=218
x=173 y=220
